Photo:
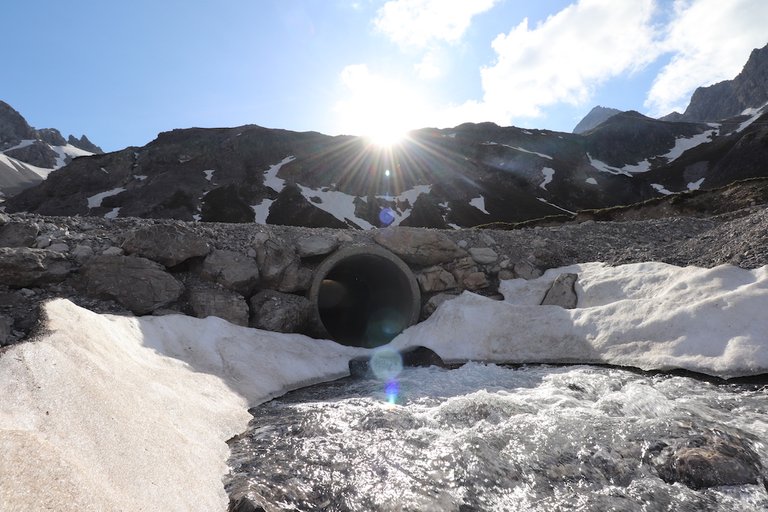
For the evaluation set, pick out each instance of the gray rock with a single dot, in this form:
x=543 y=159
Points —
x=562 y=292
x=82 y=252
x=4 y=219
x=434 y=302
x=232 y=270
x=167 y=244
x=6 y=330
x=224 y=304
x=315 y=245
x=475 y=281
x=59 y=247
x=139 y=284
x=435 y=279
x=483 y=255
x=113 y=251
x=279 y=312
x=21 y=266
x=274 y=258
x=526 y=270
x=462 y=268
x=295 y=279
x=18 y=234
x=42 y=242
x=419 y=246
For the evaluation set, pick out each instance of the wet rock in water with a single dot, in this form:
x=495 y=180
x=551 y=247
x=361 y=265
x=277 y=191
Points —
x=420 y=357
x=243 y=504
x=419 y=246
x=710 y=460
x=232 y=270
x=226 y=304
x=18 y=234
x=139 y=284
x=21 y=267
x=167 y=244
x=279 y=312
x=562 y=292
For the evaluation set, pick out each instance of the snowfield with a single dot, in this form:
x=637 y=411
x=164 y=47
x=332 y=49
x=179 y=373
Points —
x=107 y=412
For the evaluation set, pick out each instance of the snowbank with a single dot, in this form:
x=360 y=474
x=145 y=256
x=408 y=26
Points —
x=115 y=413
x=645 y=315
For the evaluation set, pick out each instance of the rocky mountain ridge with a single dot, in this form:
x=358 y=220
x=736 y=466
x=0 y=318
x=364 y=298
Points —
x=469 y=175
x=28 y=155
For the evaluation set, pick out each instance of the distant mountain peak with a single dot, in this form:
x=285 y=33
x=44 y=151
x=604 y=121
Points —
x=595 y=117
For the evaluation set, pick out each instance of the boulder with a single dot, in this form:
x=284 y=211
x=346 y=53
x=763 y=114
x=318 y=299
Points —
x=462 y=268
x=82 y=252
x=419 y=246
x=435 y=279
x=475 y=281
x=526 y=270
x=232 y=270
x=295 y=279
x=483 y=255
x=18 y=234
x=712 y=459
x=167 y=244
x=218 y=302
x=562 y=292
x=139 y=284
x=22 y=266
x=279 y=312
x=274 y=259
x=315 y=245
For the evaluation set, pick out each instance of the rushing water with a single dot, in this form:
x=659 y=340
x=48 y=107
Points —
x=491 y=438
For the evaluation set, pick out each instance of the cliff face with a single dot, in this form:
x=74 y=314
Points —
x=731 y=97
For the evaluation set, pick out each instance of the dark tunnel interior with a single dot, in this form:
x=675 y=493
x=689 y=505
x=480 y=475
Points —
x=365 y=300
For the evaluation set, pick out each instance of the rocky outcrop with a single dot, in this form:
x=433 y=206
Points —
x=84 y=144
x=22 y=267
x=38 y=154
x=141 y=285
x=13 y=126
x=731 y=97
x=18 y=234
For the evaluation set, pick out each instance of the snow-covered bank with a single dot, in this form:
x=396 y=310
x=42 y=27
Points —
x=644 y=315
x=119 y=413
x=116 y=413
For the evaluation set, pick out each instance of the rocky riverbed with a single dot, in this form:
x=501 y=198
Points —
x=258 y=275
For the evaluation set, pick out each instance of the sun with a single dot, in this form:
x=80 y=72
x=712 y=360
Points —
x=386 y=136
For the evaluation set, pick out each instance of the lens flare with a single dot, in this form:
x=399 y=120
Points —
x=386 y=216
x=392 y=391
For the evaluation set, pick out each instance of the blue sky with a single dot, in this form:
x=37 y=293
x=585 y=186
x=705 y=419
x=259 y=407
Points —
x=121 y=72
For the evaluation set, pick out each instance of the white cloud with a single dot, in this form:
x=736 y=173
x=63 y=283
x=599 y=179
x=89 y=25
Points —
x=419 y=23
x=563 y=59
x=710 y=41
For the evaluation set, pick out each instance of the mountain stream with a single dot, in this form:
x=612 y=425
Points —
x=485 y=437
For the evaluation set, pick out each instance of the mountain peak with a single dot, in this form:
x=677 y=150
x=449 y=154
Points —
x=595 y=117
x=731 y=97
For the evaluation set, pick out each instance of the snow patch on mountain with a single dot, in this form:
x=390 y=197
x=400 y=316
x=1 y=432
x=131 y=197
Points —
x=95 y=200
x=517 y=148
x=548 y=173
x=661 y=189
x=479 y=203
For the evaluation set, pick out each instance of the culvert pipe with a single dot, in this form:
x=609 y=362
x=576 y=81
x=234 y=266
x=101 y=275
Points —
x=363 y=296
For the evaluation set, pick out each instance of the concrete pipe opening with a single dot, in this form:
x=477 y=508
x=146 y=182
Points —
x=364 y=296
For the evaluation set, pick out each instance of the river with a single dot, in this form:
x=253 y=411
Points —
x=486 y=437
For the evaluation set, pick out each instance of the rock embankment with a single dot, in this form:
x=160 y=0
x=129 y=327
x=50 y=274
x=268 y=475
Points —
x=258 y=275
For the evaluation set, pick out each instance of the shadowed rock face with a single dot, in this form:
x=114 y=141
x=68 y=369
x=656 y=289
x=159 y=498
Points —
x=731 y=97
